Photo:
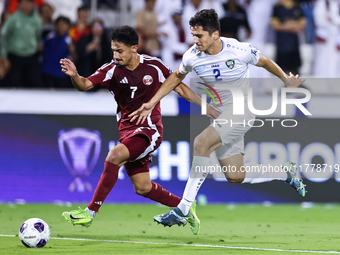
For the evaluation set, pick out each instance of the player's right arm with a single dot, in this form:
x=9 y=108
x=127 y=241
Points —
x=170 y=84
x=79 y=82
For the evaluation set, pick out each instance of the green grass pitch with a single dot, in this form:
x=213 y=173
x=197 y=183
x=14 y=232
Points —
x=226 y=229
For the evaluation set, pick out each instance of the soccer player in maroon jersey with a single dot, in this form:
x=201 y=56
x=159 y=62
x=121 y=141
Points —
x=133 y=79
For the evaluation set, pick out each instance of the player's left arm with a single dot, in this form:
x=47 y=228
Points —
x=189 y=95
x=290 y=80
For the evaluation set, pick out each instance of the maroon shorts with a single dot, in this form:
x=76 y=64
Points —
x=139 y=147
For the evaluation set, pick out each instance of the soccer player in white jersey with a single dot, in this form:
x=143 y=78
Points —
x=219 y=60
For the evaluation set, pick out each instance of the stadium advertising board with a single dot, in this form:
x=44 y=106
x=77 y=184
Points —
x=51 y=158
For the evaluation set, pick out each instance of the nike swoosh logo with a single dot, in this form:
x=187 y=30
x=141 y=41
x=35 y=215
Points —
x=76 y=218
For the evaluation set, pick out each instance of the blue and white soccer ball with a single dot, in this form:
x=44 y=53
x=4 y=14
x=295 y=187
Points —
x=34 y=233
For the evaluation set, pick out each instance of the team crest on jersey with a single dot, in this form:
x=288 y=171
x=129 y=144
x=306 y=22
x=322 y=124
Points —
x=147 y=80
x=230 y=63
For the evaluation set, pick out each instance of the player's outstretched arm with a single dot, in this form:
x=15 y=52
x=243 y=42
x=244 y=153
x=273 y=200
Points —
x=189 y=95
x=170 y=83
x=290 y=80
x=79 y=82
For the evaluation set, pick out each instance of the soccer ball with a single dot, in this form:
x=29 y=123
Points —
x=34 y=233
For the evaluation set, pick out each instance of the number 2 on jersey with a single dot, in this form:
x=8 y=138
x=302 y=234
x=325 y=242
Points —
x=134 y=88
x=218 y=74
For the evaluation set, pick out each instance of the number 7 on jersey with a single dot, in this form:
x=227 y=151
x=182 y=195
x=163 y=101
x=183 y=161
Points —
x=134 y=88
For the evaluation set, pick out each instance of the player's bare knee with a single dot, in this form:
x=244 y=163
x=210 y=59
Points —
x=115 y=157
x=200 y=146
x=235 y=179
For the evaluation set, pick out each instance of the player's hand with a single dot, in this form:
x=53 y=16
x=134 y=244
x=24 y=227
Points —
x=68 y=67
x=212 y=113
x=293 y=81
x=141 y=113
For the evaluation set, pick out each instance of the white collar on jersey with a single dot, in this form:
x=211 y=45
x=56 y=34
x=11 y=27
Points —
x=141 y=59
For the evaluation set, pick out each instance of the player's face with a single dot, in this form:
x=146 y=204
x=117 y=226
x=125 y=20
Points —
x=123 y=54
x=202 y=38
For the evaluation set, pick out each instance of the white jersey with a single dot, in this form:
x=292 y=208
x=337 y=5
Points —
x=230 y=66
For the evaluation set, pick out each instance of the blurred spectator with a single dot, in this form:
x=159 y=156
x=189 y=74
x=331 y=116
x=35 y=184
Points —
x=307 y=7
x=82 y=27
x=194 y=6
x=4 y=80
x=12 y=5
x=2 y=6
x=162 y=8
x=93 y=50
x=46 y=13
x=67 y=8
x=57 y=45
x=288 y=21
x=189 y=11
x=20 y=37
x=259 y=14
x=147 y=25
x=112 y=4
x=174 y=45
x=327 y=22
x=234 y=18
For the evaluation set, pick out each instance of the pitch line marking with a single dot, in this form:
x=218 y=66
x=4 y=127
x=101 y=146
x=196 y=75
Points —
x=184 y=244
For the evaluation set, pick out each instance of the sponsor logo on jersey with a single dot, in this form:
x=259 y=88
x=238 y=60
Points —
x=147 y=80
x=212 y=66
x=200 y=69
x=230 y=63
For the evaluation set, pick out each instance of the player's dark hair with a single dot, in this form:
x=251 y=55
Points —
x=207 y=19
x=125 y=35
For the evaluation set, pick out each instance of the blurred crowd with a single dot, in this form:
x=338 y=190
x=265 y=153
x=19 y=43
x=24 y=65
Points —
x=36 y=34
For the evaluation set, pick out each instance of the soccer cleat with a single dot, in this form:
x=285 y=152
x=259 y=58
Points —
x=174 y=217
x=193 y=220
x=78 y=217
x=293 y=178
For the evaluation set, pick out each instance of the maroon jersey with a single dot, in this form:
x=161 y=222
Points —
x=131 y=89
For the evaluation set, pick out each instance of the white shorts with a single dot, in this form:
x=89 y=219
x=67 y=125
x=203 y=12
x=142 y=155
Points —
x=232 y=129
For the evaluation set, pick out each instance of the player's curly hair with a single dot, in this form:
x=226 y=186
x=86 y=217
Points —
x=207 y=19
x=125 y=35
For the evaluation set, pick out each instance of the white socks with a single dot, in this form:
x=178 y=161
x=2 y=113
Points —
x=256 y=173
x=198 y=173
x=91 y=212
